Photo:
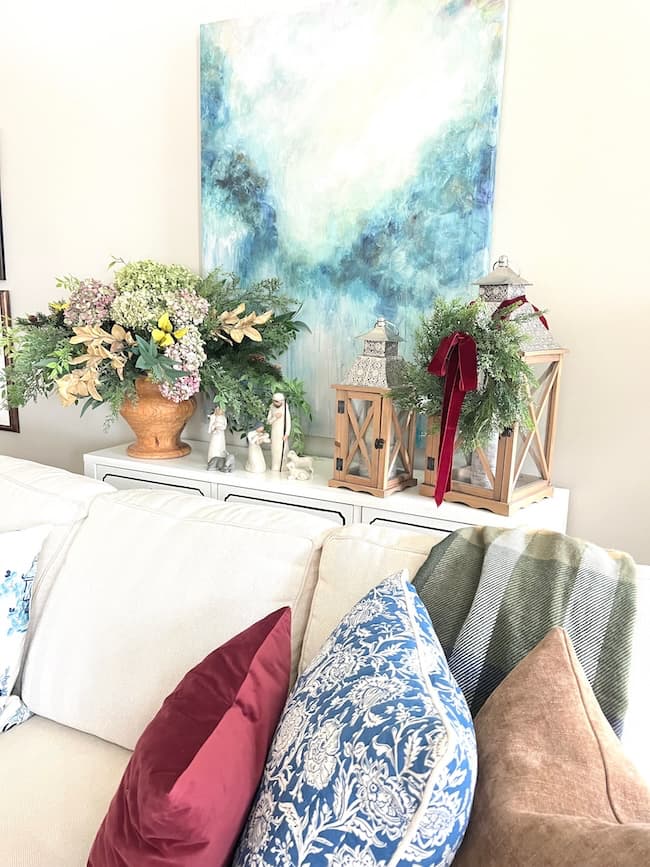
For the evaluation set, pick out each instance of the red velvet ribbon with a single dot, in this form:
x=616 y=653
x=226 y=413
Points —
x=455 y=359
x=517 y=302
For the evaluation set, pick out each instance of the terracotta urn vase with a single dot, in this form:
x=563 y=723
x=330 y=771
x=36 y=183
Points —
x=156 y=422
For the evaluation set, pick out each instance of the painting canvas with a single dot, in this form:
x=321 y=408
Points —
x=350 y=150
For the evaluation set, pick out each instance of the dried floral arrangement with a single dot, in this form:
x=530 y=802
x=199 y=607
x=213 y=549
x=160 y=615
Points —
x=187 y=333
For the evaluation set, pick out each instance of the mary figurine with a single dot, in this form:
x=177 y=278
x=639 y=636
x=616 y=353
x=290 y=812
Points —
x=256 y=462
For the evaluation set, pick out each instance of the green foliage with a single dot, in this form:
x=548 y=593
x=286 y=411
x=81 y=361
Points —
x=224 y=291
x=294 y=392
x=241 y=378
x=245 y=394
x=31 y=349
x=501 y=401
x=58 y=363
x=68 y=283
x=161 y=368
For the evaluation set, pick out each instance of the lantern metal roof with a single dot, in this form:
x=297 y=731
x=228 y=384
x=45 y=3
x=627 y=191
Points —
x=504 y=284
x=382 y=330
x=502 y=275
x=379 y=365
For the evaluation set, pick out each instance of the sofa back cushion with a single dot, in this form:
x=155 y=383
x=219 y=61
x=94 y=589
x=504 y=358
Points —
x=355 y=559
x=152 y=583
x=32 y=495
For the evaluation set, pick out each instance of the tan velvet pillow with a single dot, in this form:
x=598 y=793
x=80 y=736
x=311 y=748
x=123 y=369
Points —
x=554 y=785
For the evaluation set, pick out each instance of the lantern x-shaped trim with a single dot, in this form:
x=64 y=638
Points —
x=374 y=442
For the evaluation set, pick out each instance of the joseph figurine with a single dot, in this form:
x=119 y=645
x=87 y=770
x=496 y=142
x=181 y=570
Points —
x=279 y=418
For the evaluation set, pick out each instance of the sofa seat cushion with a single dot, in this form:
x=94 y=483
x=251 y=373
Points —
x=152 y=583
x=62 y=782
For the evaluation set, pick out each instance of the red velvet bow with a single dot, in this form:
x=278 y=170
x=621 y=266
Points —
x=516 y=302
x=455 y=359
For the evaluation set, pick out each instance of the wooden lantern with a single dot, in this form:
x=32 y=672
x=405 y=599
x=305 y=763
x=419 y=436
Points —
x=517 y=470
x=374 y=442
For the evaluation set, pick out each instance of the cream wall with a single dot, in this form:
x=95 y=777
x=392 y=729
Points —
x=99 y=156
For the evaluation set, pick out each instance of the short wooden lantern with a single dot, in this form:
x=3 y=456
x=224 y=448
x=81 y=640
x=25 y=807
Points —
x=374 y=442
x=515 y=470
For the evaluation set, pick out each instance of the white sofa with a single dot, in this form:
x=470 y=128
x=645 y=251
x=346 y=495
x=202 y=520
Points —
x=135 y=587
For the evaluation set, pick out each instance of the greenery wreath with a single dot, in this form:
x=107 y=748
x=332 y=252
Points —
x=501 y=399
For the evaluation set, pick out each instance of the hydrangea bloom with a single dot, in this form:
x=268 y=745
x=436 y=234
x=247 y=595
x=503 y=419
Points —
x=186 y=307
x=189 y=355
x=188 y=351
x=156 y=277
x=182 y=389
x=89 y=304
x=138 y=308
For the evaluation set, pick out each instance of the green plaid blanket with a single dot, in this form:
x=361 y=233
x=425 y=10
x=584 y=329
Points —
x=493 y=594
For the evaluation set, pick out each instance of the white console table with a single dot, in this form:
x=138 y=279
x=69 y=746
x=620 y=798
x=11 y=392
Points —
x=405 y=509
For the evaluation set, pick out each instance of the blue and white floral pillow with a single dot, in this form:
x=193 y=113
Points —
x=19 y=552
x=374 y=760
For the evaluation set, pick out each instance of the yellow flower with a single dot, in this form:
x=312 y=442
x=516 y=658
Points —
x=165 y=335
x=58 y=306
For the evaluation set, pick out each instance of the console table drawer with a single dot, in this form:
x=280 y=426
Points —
x=124 y=479
x=406 y=510
x=339 y=514
x=419 y=523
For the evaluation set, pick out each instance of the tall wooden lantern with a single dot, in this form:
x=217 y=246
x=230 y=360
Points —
x=374 y=442
x=514 y=470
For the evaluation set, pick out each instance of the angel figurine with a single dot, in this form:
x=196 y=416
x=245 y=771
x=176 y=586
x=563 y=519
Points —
x=218 y=456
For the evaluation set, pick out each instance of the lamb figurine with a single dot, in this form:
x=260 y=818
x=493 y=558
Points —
x=300 y=468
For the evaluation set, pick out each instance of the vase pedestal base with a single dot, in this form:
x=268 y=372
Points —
x=158 y=454
x=157 y=423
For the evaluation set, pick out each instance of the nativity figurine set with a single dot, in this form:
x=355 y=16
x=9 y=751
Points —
x=278 y=422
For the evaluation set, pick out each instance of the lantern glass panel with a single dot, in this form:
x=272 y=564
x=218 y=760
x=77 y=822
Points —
x=462 y=466
x=361 y=433
x=399 y=430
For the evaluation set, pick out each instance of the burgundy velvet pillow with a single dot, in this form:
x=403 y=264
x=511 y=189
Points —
x=187 y=790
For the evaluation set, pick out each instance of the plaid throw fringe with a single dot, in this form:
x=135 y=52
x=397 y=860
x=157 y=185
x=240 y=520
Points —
x=493 y=594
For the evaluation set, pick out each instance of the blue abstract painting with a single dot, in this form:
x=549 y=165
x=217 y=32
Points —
x=350 y=150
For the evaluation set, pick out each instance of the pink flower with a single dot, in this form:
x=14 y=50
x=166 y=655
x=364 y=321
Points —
x=89 y=304
x=182 y=389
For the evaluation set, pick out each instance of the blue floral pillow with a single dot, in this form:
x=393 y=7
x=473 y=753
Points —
x=374 y=760
x=19 y=552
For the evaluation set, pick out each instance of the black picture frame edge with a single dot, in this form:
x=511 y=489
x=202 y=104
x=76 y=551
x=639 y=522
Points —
x=3 y=270
x=5 y=317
